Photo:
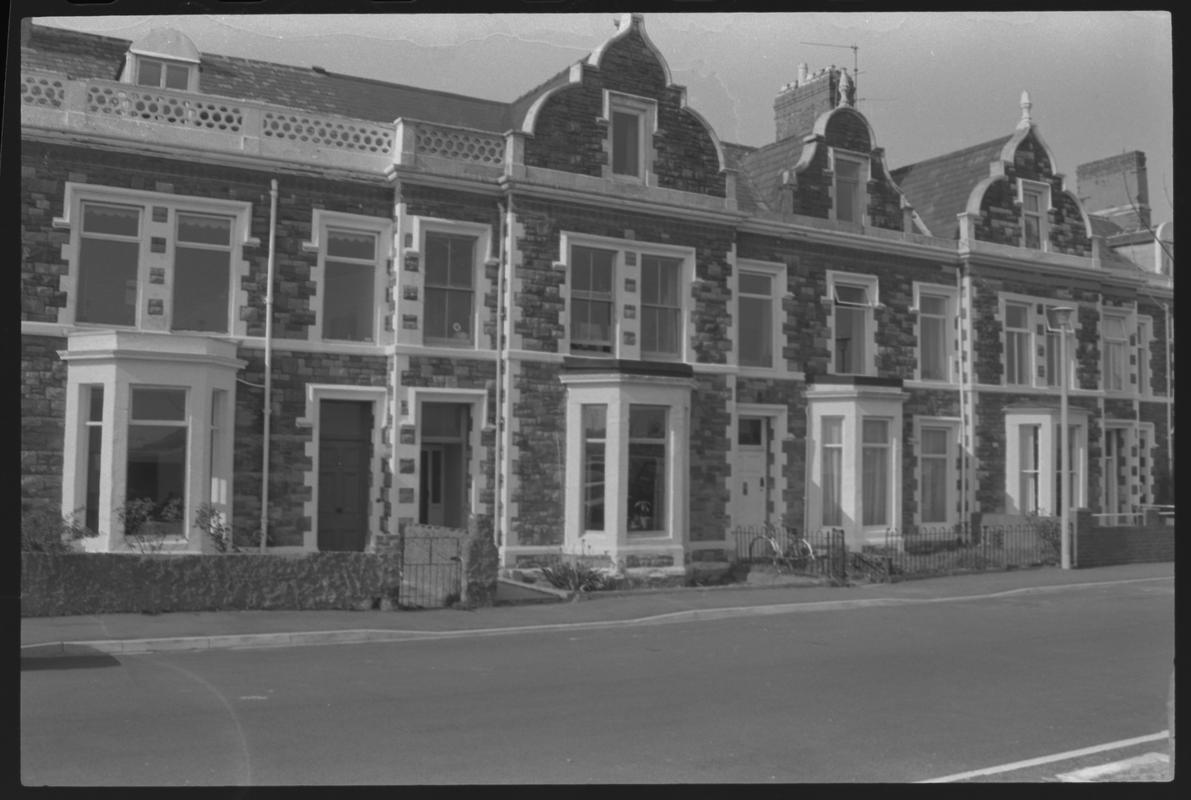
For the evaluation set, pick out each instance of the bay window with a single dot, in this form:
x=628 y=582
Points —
x=875 y=475
x=595 y=434
x=832 y=470
x=646 y=507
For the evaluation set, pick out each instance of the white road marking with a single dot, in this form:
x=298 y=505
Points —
x=1034 y=762
x=1092 y=774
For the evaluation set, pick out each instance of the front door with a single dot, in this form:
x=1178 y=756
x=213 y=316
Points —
x=345 y=434
x=442 y=469
x=751 y=484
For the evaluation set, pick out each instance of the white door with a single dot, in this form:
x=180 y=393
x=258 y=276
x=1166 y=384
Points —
x=751 y=484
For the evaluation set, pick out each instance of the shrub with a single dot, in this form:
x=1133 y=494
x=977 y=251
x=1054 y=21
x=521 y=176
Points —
x=576 y=576
x=44 y=530
x=139 y=517
x=214 y=523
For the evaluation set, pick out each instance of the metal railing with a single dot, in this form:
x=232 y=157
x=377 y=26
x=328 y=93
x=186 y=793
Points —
x=830 y=553
x=922 y=550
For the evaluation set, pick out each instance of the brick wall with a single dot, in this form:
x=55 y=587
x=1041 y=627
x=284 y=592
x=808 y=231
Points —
x=568 y=137
x=709 y=464
x=43 y=411
x=1103 y=547
x=539 y=455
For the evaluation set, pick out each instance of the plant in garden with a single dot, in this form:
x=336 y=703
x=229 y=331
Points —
x=44 y=530
x=140 y=517
x=214 y=522
x=575 y=576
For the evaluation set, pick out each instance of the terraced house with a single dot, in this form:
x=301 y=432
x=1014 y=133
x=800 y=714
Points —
x=331 y=307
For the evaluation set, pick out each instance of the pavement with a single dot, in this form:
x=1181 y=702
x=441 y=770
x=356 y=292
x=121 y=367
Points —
x=523 y=610
x=133 y=633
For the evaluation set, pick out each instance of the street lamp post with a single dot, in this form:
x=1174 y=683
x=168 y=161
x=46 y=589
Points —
x=1059 y=318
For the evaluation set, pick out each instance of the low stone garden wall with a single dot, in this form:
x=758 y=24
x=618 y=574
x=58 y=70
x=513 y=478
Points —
x=107 y=583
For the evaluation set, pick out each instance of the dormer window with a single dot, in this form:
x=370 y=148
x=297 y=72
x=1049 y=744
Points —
x=850 y=195
x=162 y=75
x=631 y=123
x=1035 y=200
x=163 y=59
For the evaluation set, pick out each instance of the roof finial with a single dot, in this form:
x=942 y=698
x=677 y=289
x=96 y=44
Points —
x=847 y=90
x=1025 y=111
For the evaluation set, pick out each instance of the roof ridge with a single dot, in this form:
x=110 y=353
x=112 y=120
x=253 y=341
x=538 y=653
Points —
x=1000 y=140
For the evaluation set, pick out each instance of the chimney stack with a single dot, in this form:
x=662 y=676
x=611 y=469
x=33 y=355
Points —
x=799 y=104
x=1102 y=189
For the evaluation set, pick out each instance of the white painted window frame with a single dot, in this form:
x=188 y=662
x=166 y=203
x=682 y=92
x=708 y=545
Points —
x=950 y=294
x=1048 y=421
x=871 y=284
x=1042 y=190
x=418 y=228
x=951 y=500
x=776 y=271
x=864 y=175
x=646 y=111
x=623 y=274
x=1145 y=338
x=76 y=194
x=1121 y=346
x=321 y=223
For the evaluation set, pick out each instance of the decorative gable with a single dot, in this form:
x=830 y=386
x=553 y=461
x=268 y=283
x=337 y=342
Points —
x=618 y=116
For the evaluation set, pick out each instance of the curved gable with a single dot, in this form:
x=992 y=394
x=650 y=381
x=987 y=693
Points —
x=570 y=120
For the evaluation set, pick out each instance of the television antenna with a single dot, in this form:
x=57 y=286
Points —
x=855 y=59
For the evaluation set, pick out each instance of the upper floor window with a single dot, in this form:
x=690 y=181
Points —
x=661 y=306
x=1145 y=328
x=626 y=299
x=850 y=194
x=1035 y=200
x=351 y=275
x=202 y=271
x=450 y=288
x=936 y=314
x=162 y=74
x=853 y=329
x=592 y=299
x=1116 y=349
x=1017 y=344
x=349 y=285
x=759 y=292
x=151 y=260
x=631 y=122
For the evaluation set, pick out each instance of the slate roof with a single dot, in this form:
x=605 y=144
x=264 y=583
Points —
x=939 y=187
x=734 y=155
x=1102 y=226
x=84 y=55
x=760 y=169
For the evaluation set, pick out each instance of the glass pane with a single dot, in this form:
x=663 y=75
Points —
x=646 y=483
x=659 y=331
x=659 y=280
x=595 y=421
x=462 y=268
x=932 y=304
x=849 y=170
x=934 y=441
x=591 y=322
x=833 y=429
x=875 y=487
x=94 y=475
x=1114 y=328
x=1029 y=201
x=443 y=420
x=756 y=332
x=875 y=431
x=625 y=157
x=438 y=253
x=932 y=335
x=148 y=73
x=95 y=404
x=348 y=301
x=157 y=472
x=167 y=405
x=647 y=422
x=348 y=244
x=1033 y=232
x=1015 y=315
x=591 y=270
x=1028 y=447
x=593 y=486
x=832 y=479
x=934 y=490
x=857 y=295
x=201 y=286
x=177 y=77
x=752 y=283
x=750 y=431
x=849 y=339
x=107 y=281
x=204 y=230
x=845 y=200
x=459 y=315
x=117 y=220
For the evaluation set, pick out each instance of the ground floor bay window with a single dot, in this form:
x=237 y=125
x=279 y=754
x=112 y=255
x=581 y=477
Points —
x=147 y=431
x=627 y=463
x=853 y=453
x=1033 y=460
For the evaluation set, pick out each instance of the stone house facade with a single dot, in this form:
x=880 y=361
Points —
x=328 y=308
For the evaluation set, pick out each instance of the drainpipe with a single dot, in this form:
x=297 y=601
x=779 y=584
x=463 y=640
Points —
x=1169 y=398
x=965 y=343
x=268 y=364
x=498 y=417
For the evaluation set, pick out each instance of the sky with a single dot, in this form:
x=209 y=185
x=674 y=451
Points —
x=1100 y=82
